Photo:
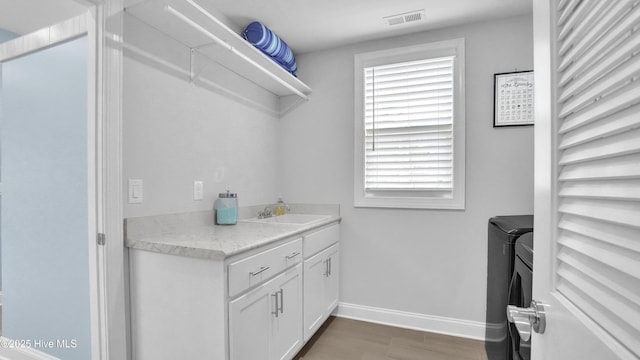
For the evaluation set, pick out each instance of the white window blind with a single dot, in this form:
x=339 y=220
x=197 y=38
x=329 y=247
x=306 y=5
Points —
x=409 y=125
x=598 y=251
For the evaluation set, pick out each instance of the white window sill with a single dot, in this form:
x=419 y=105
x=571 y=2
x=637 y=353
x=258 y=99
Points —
x=408 y=203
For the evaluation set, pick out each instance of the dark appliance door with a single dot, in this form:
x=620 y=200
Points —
x=503 y=231
x=520 y=291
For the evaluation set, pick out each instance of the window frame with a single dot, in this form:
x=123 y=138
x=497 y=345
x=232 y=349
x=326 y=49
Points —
x=412 y=199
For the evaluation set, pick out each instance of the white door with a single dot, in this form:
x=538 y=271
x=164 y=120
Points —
x=315 y=270
x=50 y=146
x=287 y=325
x=250 y=323
x=331 y=285
x=587 y=166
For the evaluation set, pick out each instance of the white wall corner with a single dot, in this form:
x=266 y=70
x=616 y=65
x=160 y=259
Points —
x=17 y=350
x=415 y=321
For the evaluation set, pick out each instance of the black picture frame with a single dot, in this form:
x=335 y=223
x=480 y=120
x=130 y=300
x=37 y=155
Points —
x=513 y=99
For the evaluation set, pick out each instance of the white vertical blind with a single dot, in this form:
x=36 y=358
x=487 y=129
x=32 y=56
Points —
x=598 y=250
x=409 y=125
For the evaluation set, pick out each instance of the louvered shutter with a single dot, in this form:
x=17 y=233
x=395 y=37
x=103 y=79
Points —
x=598 y=250
x=409 y=126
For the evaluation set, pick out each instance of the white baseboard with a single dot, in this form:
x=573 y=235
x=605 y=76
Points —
x=422 y=322
x=10 y=351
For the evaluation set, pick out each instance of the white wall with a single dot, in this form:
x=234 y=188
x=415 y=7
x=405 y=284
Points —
x=421 y=261
x=176 y=132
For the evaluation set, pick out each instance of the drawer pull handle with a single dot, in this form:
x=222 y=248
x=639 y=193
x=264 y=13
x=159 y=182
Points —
x=289 y=257
x=281 y=306
x=262 y=269
x=327 y=267
x=275 y=295
x=327 y=272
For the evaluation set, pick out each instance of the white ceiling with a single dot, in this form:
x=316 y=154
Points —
x=306 y=25
x=25 y=16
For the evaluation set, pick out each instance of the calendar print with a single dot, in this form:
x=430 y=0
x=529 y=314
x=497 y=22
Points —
x=513 y=99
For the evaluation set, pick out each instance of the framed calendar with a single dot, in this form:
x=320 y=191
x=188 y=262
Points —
x=513 y=99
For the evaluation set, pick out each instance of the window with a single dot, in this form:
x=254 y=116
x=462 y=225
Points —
x=409 y=127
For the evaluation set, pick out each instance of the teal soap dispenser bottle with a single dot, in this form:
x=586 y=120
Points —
x=226 y=208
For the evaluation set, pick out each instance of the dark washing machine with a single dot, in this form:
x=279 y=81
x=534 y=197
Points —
x=503 y=233
x=520 y=292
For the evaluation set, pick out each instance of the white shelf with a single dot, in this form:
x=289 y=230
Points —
x=198 y=29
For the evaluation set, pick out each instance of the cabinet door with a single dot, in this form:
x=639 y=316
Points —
x=250 y=323
x=287 y=325
x=331 y=281
x=315 y=269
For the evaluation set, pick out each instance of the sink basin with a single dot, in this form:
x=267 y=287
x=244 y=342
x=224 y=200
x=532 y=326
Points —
x=299 y=219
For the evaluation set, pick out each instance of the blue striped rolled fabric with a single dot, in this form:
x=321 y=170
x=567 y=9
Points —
x=270 y=44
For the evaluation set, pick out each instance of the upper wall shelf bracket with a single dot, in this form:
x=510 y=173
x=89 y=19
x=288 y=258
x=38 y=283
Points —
x=194 y=25
x=195 y=72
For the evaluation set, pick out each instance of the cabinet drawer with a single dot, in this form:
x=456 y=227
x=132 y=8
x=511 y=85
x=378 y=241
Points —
x=254 y=269
x=322 y=239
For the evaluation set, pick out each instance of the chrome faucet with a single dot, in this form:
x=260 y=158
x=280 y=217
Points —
x=267 y=212
x=271 y=210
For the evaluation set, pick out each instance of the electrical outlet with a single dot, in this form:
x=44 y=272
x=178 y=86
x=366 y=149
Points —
x=198 y=190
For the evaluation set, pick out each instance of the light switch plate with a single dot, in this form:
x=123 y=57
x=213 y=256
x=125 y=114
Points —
x=136 y=191
x=198 y=190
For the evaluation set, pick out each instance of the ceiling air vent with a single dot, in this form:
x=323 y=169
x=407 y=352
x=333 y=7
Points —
x=417 y=15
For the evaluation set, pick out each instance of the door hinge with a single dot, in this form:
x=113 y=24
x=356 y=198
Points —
x=101 y=239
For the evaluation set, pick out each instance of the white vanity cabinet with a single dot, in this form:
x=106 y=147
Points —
x=273 y=319
x=193 y=301
x=266 y=322
x=321 y=274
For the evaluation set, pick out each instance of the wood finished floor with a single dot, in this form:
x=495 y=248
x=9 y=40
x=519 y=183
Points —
x=344 y=339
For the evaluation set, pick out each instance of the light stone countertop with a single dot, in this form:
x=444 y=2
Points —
x=194 y=234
